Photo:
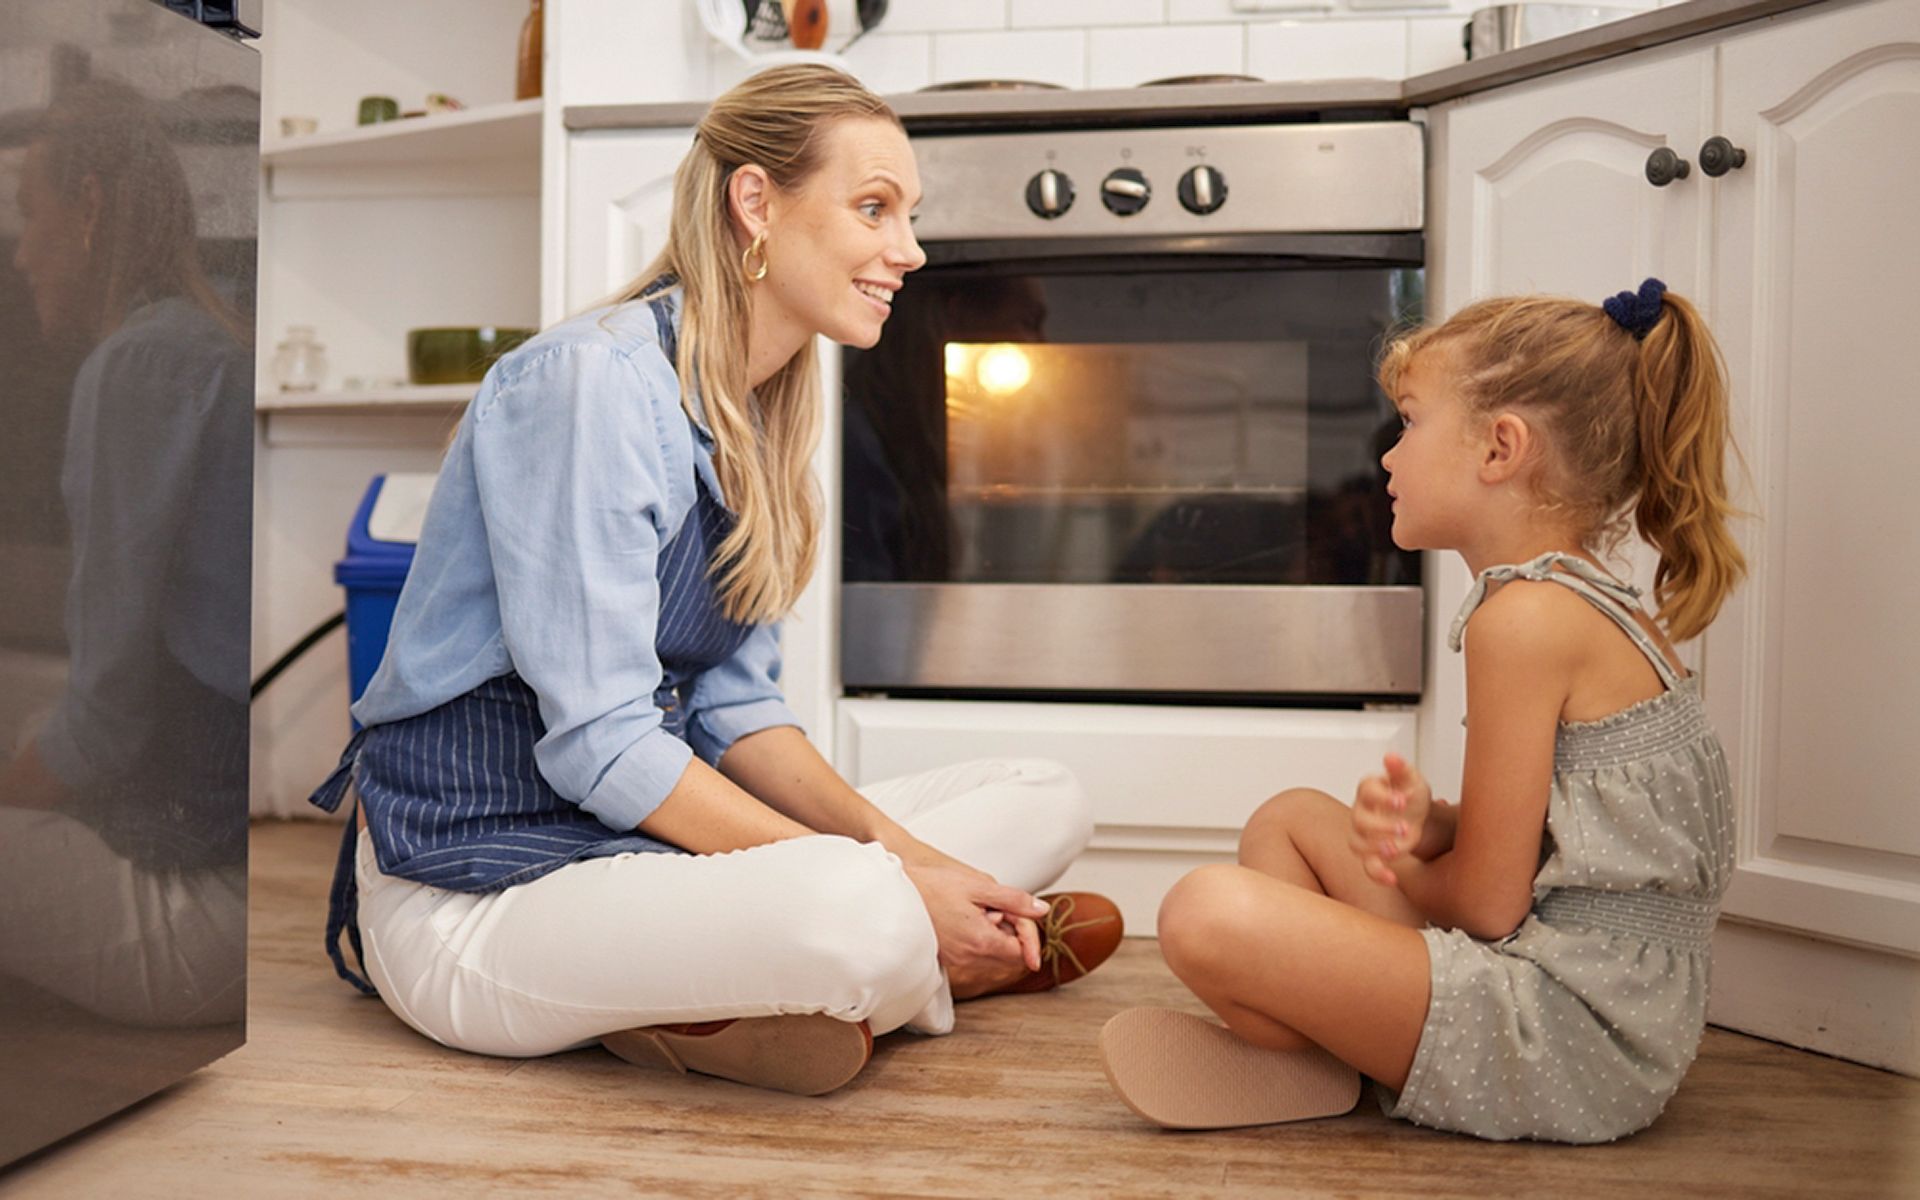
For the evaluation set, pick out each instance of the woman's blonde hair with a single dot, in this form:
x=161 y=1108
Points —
x=1635 y=430
x=765 y=438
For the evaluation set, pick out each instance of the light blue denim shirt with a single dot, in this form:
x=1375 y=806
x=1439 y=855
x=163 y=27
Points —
x=573 y=466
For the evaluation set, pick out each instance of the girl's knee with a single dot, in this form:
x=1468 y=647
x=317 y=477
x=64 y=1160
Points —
x=1202 y=914
x=1284 y=816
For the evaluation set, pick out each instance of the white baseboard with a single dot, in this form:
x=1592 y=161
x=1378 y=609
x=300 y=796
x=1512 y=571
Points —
x=1841 y=1000
x=1135 y=879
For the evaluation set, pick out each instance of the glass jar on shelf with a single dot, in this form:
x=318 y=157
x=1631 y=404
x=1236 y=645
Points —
x=300 y=362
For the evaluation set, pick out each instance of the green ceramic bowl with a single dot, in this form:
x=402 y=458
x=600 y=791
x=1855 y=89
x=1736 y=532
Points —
x=458 y=355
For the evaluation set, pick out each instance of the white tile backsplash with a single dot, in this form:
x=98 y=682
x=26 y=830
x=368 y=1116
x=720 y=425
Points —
x=892 y=62
x=725 y=68
x=1288 y=51
x=1189 y=11
x=1057 y=14
x=1124 y=57
x=1118 y=43
x=1044 y=56
x=1434 y=43
x=943 y=16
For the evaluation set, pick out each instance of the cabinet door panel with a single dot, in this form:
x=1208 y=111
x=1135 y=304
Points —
x=1547 y=184
x=1812 y=667
x=619 y=200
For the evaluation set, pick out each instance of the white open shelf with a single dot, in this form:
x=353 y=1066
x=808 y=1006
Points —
x=427 y=398
x=495 y=131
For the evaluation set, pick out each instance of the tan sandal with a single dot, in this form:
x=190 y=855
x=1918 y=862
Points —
x=807 y=1054
x=1183 y=1072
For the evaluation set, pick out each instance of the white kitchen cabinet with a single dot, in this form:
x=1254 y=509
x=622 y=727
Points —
x=619 y=201
x=1802 y=259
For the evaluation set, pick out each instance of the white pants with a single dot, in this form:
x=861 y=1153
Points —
x=811 y=925
x=140 y=947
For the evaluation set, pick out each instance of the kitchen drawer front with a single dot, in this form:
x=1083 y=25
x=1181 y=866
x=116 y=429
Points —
x=1145 y=767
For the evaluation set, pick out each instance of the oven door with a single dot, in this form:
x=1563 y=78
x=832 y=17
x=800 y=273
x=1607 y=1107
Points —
x=1146 y=468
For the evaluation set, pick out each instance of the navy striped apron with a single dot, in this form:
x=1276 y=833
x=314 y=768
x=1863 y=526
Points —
x=453 y=797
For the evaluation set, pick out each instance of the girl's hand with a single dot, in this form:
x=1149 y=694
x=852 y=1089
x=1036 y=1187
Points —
x=983 y=928
x=1389 y=816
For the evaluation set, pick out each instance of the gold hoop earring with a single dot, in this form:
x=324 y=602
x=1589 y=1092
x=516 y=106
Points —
x=757 y=248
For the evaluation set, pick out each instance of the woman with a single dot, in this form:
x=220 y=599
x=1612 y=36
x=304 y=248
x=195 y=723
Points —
x=582 y=675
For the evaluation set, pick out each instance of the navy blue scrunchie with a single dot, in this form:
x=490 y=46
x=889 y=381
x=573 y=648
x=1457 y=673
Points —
x=1637 y=313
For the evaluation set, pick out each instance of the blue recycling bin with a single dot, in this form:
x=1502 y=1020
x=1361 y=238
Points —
x=372 y=573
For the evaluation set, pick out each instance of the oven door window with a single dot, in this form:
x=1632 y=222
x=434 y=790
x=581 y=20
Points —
x=1186 y=424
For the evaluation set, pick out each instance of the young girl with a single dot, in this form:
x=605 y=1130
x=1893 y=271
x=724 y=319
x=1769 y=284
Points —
x=1532 y=963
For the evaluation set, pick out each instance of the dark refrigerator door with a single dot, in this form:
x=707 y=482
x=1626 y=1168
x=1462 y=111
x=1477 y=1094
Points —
x=128 y=191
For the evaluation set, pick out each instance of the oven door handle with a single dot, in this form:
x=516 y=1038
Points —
x=1153 y=251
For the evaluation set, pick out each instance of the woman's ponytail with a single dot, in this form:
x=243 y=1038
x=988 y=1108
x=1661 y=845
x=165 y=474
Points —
x=1680 y=391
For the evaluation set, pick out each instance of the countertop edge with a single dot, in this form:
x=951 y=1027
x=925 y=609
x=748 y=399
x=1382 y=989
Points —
x=1640 y=32
x=935 y=112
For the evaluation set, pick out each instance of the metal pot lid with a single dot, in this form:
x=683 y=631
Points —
x=1196 y=80
x=994 y=85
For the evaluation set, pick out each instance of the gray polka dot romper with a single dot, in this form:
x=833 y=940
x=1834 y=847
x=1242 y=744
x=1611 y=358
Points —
x=1579 y=1025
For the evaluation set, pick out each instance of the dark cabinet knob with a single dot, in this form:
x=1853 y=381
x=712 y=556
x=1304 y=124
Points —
x=1664 y=166
x=1718 y=156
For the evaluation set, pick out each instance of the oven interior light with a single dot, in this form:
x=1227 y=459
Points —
x=1003 y=370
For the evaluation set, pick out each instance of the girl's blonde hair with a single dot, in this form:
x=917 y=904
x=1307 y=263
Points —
x=1635 y=430
x=764 y=439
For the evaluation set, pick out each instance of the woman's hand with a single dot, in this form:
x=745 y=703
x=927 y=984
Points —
x=1390 y=817
x=985 y=929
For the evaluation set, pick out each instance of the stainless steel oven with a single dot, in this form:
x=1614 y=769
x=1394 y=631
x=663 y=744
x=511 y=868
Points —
x=1121 y=435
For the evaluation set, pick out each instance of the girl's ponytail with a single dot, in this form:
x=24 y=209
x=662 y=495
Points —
x=1680 y=391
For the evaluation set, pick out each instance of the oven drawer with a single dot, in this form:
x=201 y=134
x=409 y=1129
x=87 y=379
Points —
x=1133 y=638
x=1171 y=787
x=1145 y=767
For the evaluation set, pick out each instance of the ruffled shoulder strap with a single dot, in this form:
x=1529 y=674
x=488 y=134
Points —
x=1618 y=600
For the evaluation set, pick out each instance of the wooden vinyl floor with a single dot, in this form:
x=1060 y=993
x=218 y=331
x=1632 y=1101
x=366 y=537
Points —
x=333 y=1096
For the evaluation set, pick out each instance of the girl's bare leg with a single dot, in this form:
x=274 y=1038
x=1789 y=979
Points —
x=1300 y=837
x=1296 y=946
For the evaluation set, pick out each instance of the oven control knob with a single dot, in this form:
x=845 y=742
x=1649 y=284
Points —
x=1202 y=190
x=1125 y=192
x=1049 y=193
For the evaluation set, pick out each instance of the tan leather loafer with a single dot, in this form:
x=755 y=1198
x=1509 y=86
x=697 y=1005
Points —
x=808 y=1054
x=1080 y=931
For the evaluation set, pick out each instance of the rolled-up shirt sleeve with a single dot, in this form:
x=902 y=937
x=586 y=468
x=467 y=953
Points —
x=571 y=462
x=738 y=697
